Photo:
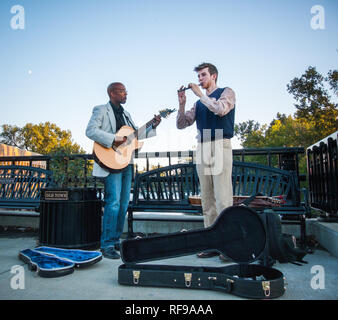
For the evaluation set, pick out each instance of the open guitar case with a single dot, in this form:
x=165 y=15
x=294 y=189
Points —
x=239 y=233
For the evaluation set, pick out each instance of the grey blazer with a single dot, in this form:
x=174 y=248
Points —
x=102 y=128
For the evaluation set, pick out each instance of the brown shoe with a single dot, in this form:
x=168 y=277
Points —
x=223 y=258
x=207 y=254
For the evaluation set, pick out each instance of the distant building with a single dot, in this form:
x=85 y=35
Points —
x=10 y=151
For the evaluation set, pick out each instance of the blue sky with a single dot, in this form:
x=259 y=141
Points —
x=58 y=67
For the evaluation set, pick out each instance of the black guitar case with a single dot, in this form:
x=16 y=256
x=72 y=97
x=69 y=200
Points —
x=239 y=233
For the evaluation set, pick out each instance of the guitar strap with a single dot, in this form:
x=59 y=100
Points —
x=129 y=121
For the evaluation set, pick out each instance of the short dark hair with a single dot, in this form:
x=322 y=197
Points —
x=212 y=69
x=112 y=86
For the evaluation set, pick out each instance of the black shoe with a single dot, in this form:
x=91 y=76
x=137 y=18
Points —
x=117 y=246
x=207 y=254
x=110 y=254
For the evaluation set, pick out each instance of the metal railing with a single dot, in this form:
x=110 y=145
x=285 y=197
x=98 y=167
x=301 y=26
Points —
x=79 y=178
x=323 y=175
x=76 y=170
x=282 y=158
x=287 y=158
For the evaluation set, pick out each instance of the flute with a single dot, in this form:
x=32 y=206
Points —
x=186 y=88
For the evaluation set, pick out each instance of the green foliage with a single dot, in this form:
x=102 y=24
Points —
x=316 y=116
x=332 y=78
x=67 y=170
x=314 y=104
x=11 y=135
x=250 y=134
x=42 y=138
x=48 y=139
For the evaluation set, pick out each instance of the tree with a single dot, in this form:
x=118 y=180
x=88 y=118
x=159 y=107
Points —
x=284 y=131
x=332 y=78
x=316 y=116
x=249 y=133
x=48 y=139
x=11 y=135
x=43 y=138
x=314 y=103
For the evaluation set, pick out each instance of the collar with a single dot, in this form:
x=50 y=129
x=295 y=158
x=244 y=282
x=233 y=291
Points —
x=119 y=109
x=208 y=94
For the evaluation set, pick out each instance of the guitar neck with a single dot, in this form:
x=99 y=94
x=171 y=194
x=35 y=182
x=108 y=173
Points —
x=142 y=129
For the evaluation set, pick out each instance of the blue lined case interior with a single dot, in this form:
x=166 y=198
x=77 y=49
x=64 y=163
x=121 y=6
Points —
x=79 y=257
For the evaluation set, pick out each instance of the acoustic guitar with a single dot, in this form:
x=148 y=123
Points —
x=115 y=159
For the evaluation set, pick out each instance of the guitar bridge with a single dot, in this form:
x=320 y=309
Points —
x=116 y=150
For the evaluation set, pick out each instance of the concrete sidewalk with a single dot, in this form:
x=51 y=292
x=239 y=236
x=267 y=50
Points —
x=100 y=281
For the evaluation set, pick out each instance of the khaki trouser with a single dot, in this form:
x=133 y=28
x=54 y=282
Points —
x=214 y=168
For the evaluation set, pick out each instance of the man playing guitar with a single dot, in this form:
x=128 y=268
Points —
x=103 y=125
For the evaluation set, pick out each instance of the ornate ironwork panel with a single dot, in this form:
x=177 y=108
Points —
x=20 y=186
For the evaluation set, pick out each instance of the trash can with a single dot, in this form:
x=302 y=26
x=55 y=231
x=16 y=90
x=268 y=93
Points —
x=70 y=218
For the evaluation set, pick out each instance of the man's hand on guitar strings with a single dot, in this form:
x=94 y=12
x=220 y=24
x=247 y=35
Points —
x=118 y=141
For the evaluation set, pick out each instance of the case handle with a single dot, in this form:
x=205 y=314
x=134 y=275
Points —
x=227 y=288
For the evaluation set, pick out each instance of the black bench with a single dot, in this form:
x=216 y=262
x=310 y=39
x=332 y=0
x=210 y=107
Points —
x=167 y=189
x=20 y=186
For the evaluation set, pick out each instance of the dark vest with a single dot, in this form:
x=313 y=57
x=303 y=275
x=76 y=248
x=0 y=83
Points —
x=213 y=124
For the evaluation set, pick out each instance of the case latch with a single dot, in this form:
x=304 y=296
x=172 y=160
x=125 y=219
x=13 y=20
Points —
x=266 y=288
x=136 y=276
x=187 y=277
